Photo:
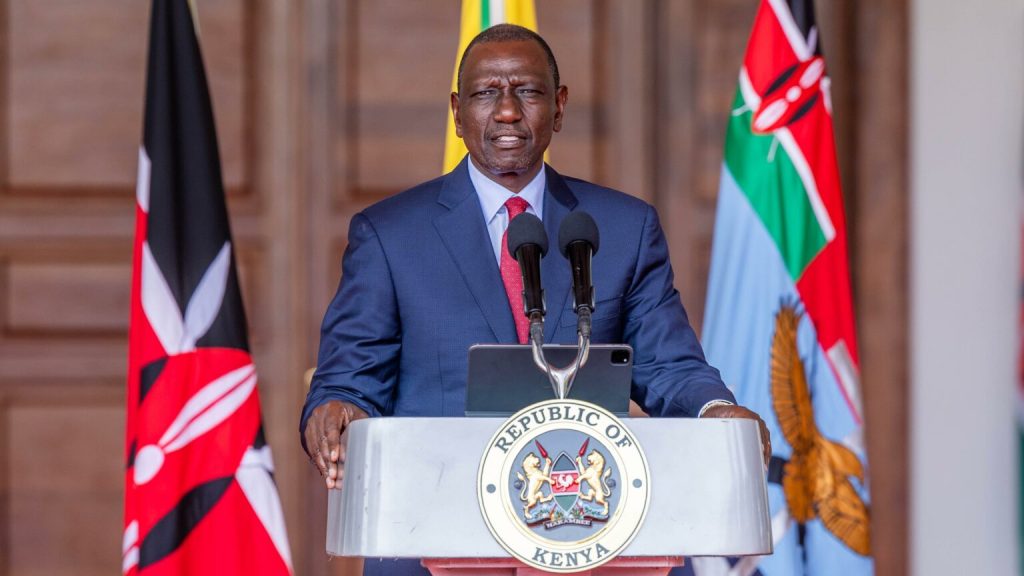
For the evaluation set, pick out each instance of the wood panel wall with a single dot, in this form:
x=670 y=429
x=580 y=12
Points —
x=323 y=107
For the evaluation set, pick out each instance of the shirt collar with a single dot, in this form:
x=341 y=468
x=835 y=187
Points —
x=493 y=195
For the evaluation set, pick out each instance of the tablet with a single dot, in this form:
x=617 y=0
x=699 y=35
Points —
x=503 y=378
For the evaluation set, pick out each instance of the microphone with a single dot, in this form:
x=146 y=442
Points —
x=528 y=243
x=578 y=240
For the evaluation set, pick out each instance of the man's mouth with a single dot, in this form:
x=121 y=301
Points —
x=508 y=140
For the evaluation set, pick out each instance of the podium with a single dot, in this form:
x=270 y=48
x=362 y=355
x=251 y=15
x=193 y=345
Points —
x=410 y=491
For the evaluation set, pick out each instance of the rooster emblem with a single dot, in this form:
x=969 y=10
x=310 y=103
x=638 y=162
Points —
x=816 y=480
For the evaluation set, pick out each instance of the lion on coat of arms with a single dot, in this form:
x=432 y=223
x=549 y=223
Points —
x=534 y=481
x=596 y=476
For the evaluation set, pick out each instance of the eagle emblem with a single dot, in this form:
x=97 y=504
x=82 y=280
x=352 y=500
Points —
x=816 y=480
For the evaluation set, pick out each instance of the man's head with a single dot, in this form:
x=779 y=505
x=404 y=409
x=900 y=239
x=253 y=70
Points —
x=509 y=33
x=508 y=103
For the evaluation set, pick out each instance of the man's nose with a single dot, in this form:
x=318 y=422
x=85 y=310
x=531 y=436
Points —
x=506 y=109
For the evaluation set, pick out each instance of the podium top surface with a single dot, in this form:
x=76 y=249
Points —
x=410 y=489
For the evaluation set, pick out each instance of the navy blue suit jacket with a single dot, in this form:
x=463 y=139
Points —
x=420 y=285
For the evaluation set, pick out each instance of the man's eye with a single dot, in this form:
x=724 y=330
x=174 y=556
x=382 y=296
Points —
x=528 y=91
x=484 y=93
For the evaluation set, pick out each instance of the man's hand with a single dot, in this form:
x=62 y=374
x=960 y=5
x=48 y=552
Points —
x=733 y=411
x=323 y=438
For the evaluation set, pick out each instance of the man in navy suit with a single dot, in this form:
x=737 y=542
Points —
x=422 y=280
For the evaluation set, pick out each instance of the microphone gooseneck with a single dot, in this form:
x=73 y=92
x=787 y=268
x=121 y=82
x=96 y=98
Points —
x=578 y=241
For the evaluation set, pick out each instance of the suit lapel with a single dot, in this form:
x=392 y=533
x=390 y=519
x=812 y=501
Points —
x=554 y=269
x=465 y=236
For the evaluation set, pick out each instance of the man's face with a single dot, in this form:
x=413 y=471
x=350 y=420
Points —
x=508 y=107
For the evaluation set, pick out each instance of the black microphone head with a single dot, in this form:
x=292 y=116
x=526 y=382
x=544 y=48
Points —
x=526 y=229
x=578 y=226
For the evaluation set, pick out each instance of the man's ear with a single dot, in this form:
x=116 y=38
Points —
x=455 y=113
x=561 y=97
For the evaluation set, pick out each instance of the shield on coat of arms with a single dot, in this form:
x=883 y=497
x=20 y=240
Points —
x=564 y=485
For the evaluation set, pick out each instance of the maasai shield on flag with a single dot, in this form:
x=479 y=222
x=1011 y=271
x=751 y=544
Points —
x=477 y=16
x=199 y=492
x=779 y=317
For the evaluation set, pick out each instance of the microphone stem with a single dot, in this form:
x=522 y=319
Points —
x=537 y=328
x=583 y=322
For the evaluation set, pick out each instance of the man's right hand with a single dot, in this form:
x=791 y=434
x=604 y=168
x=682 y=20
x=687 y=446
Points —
x=323 y=438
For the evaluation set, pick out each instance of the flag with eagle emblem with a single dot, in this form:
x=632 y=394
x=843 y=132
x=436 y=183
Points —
x=779 y=318
x=199 y=491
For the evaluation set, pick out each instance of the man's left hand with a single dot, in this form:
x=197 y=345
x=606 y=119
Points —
x=734 y=411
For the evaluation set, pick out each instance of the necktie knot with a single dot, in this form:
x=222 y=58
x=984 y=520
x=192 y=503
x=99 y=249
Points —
x=515 y=206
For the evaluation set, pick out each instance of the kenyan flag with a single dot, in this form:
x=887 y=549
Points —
x=200 y=498
x=779 y=321
x=477 y=16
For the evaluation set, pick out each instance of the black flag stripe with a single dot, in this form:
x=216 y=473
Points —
x=803 y=15
x=188 y=220
x=171 y=530
x=148 y=375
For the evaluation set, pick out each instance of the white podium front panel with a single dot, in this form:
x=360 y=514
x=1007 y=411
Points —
x=410 y=489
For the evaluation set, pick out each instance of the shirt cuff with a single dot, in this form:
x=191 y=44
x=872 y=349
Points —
x=713 y=403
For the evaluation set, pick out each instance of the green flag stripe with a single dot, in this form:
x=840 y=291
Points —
x=485 y=14
x=767 y=177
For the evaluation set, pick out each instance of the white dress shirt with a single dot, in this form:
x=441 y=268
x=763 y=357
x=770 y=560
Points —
x=492 y=202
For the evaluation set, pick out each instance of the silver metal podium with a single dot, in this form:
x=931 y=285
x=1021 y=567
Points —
x=410 y=490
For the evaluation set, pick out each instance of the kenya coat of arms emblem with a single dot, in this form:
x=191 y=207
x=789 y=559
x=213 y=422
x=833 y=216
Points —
x=563 y=486
x=567 y=492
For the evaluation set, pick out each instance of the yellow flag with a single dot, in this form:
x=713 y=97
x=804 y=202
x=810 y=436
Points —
x=477 y=15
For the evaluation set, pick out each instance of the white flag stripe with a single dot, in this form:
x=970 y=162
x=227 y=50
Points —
x=205 y=303
x=855 y=441
x=746 y=566
x=258 y=486
x=142 y=183
x=796 y=155
x=796 y=38
x=213 y=414
x=159 y=304
x=131 y=536
x=750 y=96
x=780 y=524
x=848 y=376
x=497 y=12
x=203 y=399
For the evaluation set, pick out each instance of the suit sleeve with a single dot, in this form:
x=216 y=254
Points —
x=670 y=375
x=360 y=339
